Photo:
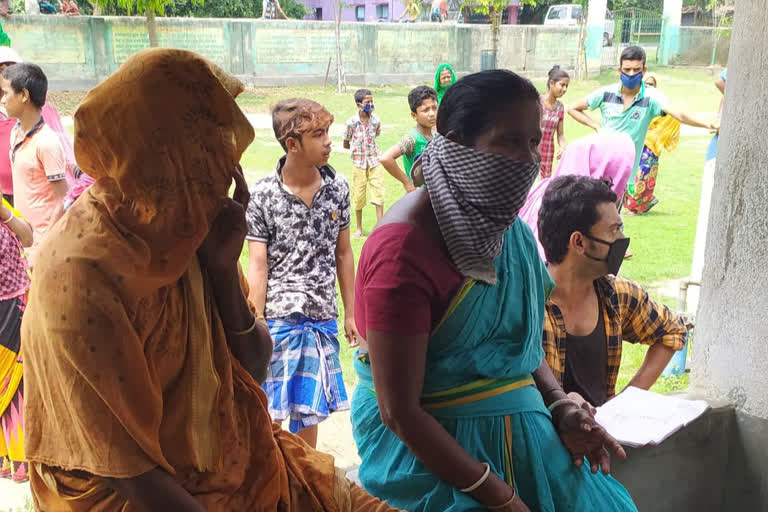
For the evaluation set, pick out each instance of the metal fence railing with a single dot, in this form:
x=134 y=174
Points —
x=703 y=46
x=633 y=27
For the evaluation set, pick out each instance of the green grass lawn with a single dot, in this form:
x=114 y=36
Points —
x=662 y=241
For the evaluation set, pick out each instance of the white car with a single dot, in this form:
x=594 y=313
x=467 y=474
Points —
x=571 y=14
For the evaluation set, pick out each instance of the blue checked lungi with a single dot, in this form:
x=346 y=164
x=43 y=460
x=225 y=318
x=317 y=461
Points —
x=305 y=382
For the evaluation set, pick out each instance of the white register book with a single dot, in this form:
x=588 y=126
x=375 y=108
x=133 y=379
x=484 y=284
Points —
x=637 y=417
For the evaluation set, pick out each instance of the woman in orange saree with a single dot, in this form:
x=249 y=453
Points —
x=143 y=355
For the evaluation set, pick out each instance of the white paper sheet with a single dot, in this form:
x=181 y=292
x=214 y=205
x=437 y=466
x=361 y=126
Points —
x=638 y=418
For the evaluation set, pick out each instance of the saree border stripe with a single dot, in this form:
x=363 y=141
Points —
x=466 y=286
x=510 y=385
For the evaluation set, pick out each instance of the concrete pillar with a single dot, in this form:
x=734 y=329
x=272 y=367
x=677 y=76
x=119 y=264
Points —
x=595 y=30
x=730 y=354
x=97 y=30
x=670 y=31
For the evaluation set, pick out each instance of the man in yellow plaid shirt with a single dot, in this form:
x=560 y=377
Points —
x=592 y=310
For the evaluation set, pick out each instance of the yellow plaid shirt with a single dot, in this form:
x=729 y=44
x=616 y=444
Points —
x=629 y=314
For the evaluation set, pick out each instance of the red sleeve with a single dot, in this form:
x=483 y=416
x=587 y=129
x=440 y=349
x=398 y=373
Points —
x=404 y=282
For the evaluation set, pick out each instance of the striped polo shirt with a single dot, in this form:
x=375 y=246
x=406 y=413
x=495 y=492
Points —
x=633 y=121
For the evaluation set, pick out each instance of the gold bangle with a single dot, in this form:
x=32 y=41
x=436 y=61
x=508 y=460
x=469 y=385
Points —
x=554 y=405
x=479 y=482
x=506 y=503
x=248 y=330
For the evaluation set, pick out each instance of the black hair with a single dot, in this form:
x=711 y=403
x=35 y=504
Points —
x=360 y=95
x=418 y=94
x=466 y=109
x=556 y=74
x=632 y=53
x=570 y=205
x=26 y=75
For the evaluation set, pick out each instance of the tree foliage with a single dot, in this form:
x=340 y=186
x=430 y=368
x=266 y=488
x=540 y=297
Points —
x=488 y=6
x=494 y=9
x=216 y=9
x=138 y=6
x=647 y=5
x=85 y=7
x=702 y=4
x=232 y=9
x=201 y=8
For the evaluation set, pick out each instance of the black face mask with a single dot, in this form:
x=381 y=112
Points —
x=616 y=252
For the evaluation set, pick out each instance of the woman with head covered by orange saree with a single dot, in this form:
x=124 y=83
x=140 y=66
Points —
x=143 y=356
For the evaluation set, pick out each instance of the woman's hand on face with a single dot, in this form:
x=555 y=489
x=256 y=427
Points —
x=583 y=437
x=222 y=247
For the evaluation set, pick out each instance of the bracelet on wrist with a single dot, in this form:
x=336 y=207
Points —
x=9 y=219
x=248 y=330
x=480 y=482
x=506 y=503
x=557 y=403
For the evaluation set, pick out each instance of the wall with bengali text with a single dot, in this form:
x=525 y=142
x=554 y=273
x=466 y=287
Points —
x=79 y=52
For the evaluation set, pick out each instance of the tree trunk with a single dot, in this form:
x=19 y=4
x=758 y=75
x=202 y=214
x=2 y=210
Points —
x=341 y=85
x=152 y=28
x=96 y=8
x=496 y=16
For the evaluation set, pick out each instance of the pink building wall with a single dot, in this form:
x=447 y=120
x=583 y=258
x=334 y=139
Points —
x=369 y=10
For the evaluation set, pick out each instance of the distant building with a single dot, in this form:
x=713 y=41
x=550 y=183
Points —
x=508 y=17
x=357 y=10
x=692 y=15
x=696 y=16
x=373 y=11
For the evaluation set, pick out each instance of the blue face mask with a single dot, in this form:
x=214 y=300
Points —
x=368 y=108
x=631 y=82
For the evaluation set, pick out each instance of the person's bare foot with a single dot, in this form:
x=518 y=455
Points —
x=358 y=234
x=627 y=255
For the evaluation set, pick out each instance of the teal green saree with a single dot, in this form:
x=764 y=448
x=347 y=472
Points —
x=478 y=385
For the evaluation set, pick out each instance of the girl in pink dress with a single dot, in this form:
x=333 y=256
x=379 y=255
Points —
x=552 y=114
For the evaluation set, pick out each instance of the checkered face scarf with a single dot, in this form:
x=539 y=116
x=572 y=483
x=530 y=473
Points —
x=476 y=197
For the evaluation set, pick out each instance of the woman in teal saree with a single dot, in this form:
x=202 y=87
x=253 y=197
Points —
x=452 y=409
